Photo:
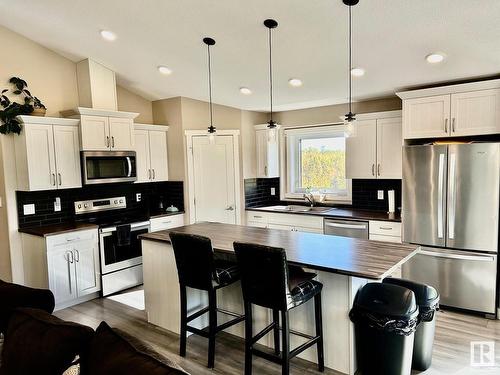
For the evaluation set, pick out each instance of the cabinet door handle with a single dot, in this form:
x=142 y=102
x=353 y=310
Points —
x=77 y=255
x=453 y=125
x=378 y=169
x=149 y=174
x=60 y=179
x=373 y=169
x=446 y=125
x=112 y=142
x=53 y=179
x=385 y=228
x=70 y=257
x=107 y=141
x=154 y=174
x=265 y=170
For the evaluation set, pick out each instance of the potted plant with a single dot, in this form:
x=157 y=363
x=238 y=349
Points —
x=10 y=109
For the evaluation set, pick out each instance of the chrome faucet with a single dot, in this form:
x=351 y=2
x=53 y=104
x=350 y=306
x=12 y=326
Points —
x=309 y=198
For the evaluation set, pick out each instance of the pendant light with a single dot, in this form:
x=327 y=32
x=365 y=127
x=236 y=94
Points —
x=349 y=117
x=211 y=129
x=271 y=125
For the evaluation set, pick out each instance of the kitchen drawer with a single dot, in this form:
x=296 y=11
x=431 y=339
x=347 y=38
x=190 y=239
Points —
x=385 y=228
x=256 y=217
x=72 y=237
x=166 y=222
x=379 y=237
x=307 y=221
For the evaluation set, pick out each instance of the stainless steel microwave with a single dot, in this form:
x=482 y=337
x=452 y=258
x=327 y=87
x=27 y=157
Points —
x=103 y=167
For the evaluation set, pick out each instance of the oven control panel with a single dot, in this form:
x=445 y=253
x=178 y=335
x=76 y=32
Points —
x=95 y=205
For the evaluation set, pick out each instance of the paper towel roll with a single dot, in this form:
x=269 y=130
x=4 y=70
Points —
x=391 y=198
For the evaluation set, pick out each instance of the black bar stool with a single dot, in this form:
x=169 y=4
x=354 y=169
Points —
x=198 y=269
x=267 y=281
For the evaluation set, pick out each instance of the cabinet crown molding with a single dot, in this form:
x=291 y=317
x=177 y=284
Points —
x=48 y=120
x=450 y=89
x=138 y=126
x=82 y=111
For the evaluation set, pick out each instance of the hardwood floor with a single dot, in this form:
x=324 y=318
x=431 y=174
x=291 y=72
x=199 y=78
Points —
x=454 y=333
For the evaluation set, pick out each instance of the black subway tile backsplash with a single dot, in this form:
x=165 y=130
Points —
x=258 y=192
x=170 y=192
x=364 y=194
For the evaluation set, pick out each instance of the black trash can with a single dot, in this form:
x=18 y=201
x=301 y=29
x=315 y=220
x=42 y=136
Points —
x=385 y=318
x=428 y=302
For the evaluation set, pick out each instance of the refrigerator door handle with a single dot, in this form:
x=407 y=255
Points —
x=440 y=223
x=452 y=196
x=479 y=258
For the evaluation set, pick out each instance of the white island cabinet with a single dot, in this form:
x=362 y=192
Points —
x=47 y=154
x=67 y=264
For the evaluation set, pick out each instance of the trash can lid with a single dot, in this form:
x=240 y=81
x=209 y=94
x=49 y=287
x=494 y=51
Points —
x=391 y=301
x=426 y=295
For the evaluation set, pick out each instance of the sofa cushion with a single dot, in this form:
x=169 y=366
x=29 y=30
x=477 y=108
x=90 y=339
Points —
x=39 y=343
x=13 y=296
x=113 y=352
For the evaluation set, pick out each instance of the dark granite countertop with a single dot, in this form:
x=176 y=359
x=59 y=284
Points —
x=343 y=255
x=339 y=212
x=50 y=230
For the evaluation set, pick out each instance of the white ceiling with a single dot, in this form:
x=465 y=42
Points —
x=391 y=39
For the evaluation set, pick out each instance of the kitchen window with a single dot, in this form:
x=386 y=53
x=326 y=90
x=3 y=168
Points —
x=315 y=160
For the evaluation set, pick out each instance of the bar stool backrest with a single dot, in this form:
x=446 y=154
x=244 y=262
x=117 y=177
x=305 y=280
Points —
x=194 y=257
x=264 y=275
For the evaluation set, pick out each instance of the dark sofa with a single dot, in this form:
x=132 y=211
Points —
x=37 y=342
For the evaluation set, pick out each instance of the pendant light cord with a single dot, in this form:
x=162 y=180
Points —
x=350 y=60
x=210 y=86
x=271 y=72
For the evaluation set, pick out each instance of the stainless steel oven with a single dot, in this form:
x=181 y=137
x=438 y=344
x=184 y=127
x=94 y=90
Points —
x=99 y=167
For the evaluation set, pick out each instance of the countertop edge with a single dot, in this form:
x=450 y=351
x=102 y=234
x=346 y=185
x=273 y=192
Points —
x=38 y=231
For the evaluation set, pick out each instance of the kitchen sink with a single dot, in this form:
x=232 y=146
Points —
x=297 y=208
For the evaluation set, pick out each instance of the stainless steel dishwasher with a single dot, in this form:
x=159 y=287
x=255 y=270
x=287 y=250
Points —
x=346 y=228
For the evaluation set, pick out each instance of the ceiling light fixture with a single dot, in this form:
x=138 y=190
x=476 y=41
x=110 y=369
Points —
x=357 y=72
x=271 y=24
x=245 y=90
x=164 y=70
x=108 y=35
x=295 y=82
x=211 y=129
x=349 y=117
x=434 y=58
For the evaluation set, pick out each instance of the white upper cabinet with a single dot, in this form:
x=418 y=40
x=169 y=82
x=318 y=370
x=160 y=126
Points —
x=476 y=112
x=267 y=152
x=101 y=133
x=374 y=147
x=427 y=117
x=152 y=152
x=121 y=132
x=361 y=150
x=47 y=154
x=468 y=109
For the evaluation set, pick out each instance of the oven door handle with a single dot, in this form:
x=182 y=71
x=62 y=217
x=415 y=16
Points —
x=129 y=174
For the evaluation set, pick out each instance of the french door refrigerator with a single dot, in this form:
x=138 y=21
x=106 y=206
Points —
x=451 y=208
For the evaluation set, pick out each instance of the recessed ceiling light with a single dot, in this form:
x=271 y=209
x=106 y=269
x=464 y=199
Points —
x=108 y=35
x=357 y=72
x=295 y=82
x=245 y=90
x=434 y=58
x=164 y=70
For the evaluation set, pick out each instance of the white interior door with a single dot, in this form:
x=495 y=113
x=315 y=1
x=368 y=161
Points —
x=214 y=183
x=67 y=155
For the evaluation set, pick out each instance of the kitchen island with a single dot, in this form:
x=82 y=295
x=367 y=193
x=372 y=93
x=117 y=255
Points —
x=343 y=265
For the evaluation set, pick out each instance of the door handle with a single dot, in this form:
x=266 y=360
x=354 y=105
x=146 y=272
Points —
x=346 y=226
x=70 y=258
x=60 y=179
x=113 y=142
x=149 y=174
x=452 y=196
x=229 y=208
x=446 y=125
x=77 y=255
x=53 y=179
x=378 y=169
x=453 y=125
x=440 y=196
x=107 y=141
x=154 y=174
x=479 y=258
x=265 y=170
x=373 y=169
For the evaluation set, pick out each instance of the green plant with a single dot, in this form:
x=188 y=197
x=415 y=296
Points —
x=12 y=109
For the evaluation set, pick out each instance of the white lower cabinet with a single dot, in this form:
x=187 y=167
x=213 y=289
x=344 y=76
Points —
x=67 y=264
x=386 y=231
x=166 y=222
x=291 y=222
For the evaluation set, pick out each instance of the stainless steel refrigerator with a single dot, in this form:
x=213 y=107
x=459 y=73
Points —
x=451 y=208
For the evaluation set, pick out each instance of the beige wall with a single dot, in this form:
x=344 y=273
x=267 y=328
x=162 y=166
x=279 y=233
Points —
x=332 y=113
x=131 y=102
